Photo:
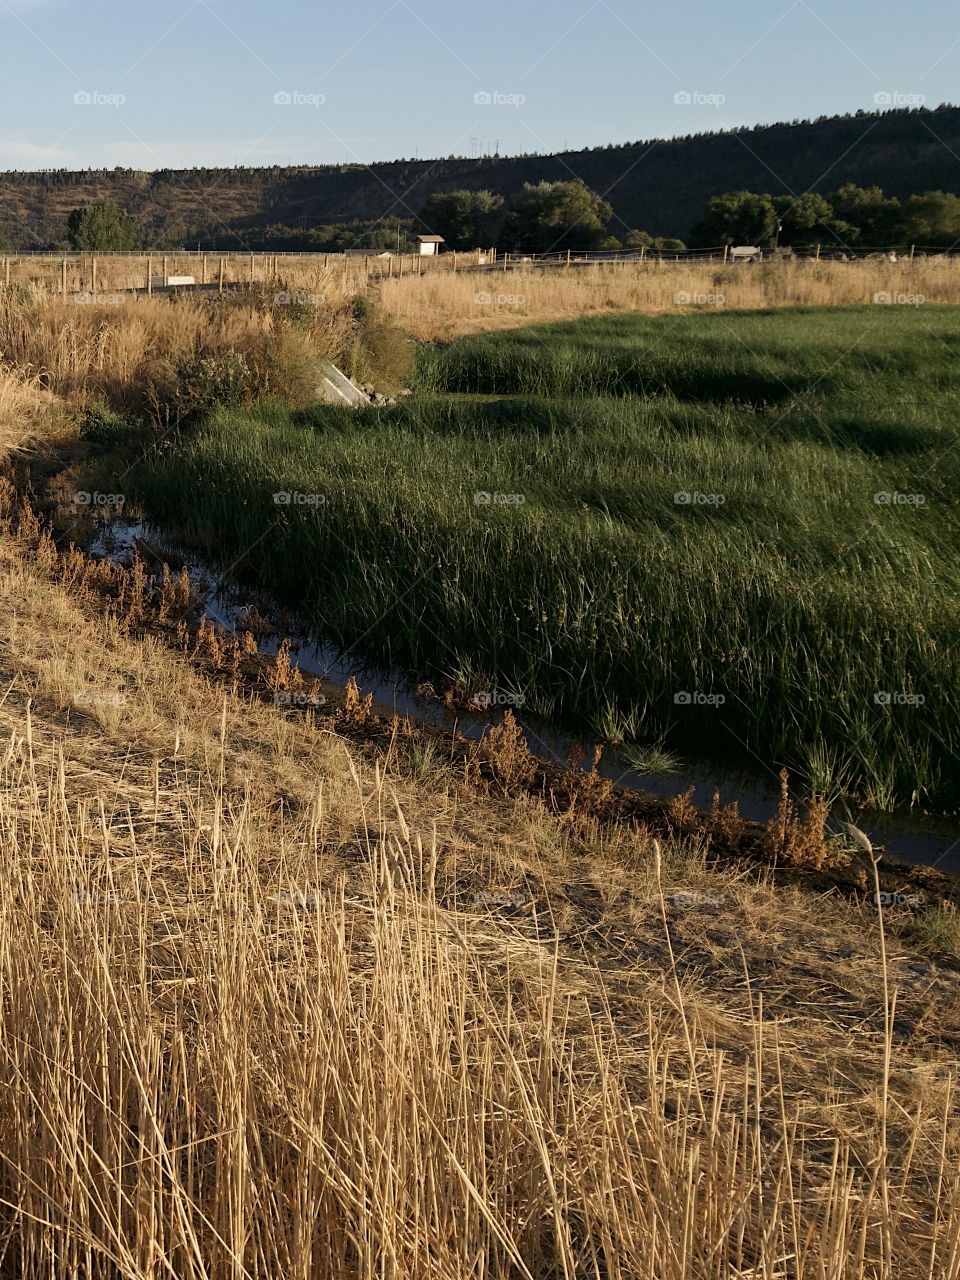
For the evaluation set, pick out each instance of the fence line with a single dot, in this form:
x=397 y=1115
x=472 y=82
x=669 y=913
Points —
x=135 y=272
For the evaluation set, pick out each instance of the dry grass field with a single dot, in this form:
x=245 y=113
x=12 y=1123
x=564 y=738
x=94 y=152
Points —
x=431 y=301
x=437 y=308
x=277 y=1003
x=272 y=1007
x=118 y=346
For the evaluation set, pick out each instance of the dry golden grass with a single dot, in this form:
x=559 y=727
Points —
x=271 y=1008
x=23 y=402
x=440 y=307
x=43 y=273
x=118 y=350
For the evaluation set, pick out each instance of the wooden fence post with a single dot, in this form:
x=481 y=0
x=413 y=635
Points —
x=726 y=253
x=63 y=276
x=912 y=250
x=149 y=275
x=93 y=273
x=816 y=256
x=203 y=270
x=220 y=288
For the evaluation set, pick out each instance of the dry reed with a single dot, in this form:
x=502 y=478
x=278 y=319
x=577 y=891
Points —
x=238 y=1040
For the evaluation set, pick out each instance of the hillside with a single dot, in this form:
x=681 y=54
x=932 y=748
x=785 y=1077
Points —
x=659 y=185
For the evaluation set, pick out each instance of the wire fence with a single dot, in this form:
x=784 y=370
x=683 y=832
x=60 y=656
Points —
x=84 y=275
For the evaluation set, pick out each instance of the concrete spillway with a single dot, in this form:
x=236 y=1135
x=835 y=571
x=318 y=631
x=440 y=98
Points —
x=337 y=388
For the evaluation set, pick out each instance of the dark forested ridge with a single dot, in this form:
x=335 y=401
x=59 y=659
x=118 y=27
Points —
x=660 y=186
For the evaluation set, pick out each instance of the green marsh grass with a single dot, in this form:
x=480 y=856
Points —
x=779 y=613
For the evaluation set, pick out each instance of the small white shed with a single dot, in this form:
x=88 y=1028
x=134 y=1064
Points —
x=429 y=245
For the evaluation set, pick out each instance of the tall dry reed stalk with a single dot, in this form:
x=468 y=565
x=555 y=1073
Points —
x=223 y=1065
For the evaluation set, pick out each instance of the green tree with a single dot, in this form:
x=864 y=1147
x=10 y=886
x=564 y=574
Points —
x=739 y=217
x=465 y=219
x=556 y=215
x=877 y=219
x=810 y=217
x=638 y=240
x=102 y=226
x=932 y=219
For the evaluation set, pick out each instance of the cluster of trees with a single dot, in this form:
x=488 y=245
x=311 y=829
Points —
x=397 y=236
x=849 y=217
x=543 y=217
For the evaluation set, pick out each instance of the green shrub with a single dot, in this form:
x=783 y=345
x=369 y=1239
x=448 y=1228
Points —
x=221 y=379
x=287 y=368
x=379 y=352
x=16 y=293
x=101 y=425
x=938 y=930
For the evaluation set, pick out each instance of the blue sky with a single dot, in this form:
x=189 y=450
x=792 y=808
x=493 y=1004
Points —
x=186 y=82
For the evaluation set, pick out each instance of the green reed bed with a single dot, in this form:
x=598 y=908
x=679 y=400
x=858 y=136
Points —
x=708 y=568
